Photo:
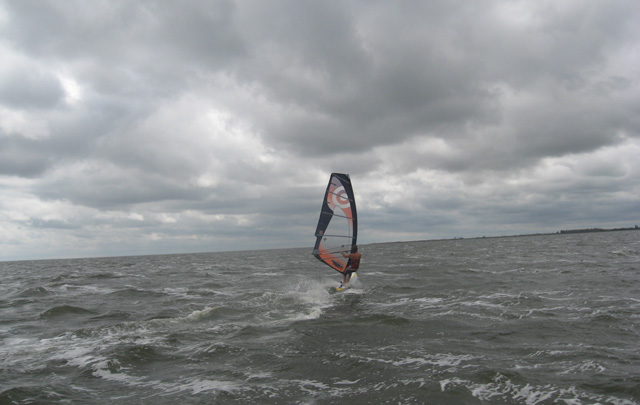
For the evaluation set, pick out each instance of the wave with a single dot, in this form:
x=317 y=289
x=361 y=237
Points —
x=65 y=310
x=47 y=394
x=106 y=275
x=35 y=292
x=210 y=313
x=137 y=354
x=501 y=388
x=382 y=319
x=133 y=292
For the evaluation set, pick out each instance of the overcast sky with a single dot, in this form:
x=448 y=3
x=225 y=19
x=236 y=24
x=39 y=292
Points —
x=144 y=127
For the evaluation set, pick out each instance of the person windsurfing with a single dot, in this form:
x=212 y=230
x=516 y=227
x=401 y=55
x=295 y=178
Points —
x=355 y=257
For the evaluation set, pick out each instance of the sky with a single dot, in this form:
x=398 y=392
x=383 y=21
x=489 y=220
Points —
x=151 y=127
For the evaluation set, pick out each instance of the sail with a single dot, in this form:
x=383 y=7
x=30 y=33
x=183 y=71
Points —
x=338 y=224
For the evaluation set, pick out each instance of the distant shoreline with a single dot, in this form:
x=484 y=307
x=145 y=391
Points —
x=598 y=230
x=561 y=232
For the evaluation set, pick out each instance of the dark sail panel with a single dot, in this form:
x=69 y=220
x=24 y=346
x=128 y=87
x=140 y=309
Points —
x=338 y=224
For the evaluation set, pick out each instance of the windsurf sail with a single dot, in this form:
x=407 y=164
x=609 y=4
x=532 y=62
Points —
x=338 y=224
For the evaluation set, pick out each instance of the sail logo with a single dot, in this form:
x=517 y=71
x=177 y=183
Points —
x=339 y=198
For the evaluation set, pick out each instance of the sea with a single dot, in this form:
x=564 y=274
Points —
x=544 y=319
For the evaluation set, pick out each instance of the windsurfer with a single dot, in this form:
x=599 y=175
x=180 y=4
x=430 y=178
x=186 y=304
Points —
x=355 y=257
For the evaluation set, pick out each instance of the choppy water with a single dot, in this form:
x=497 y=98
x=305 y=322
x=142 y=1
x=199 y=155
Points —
x=527 y=320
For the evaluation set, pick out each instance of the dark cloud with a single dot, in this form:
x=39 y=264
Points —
x=21 y=157
x=52 y=224
x=30 y=89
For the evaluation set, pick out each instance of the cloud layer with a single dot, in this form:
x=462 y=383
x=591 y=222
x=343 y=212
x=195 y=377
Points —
x=158 y=127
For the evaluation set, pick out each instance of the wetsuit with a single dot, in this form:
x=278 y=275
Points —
x=355 y=264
